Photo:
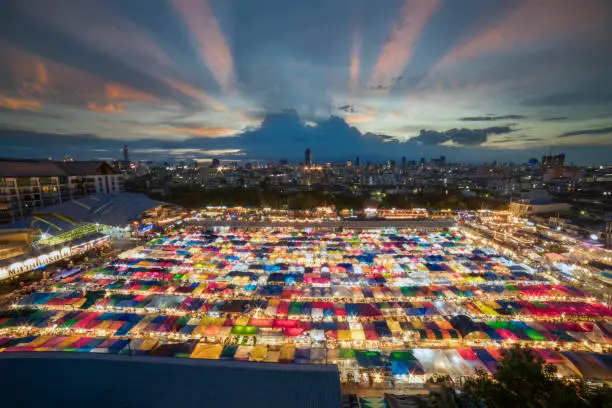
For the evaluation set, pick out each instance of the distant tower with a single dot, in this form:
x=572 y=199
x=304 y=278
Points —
x=307 y=157
x=404 y=162
x=357 y=161
x=215 y=162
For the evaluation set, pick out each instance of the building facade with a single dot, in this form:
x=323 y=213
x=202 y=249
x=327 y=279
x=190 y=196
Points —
x=29 y=185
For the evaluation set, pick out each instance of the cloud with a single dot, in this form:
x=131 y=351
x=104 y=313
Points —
x=196 y=93
x=119 y=92
x=112 y=108
x=214 y=49
x=355 y=51
x=498 y=130
x=19 y=103
x=198 y=131
x=513 y=140
x=283 y=136
x=190 y=152
x=462 y=137
x=554 y=118
x=402 y=40
x=391 y=83
x=224 y=152
x=361 y=114
x=359 y=118
x=36 y=36
x=489 y=118
x=532 y=22
x=598 y=131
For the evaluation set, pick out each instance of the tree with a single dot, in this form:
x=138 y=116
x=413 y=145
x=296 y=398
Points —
x=524 y=380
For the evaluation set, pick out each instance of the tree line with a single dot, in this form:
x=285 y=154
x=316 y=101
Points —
x=195 y=197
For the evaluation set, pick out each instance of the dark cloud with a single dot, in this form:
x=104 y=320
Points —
x=598 y=131
x=347 y=108
x=555 y=118
x=522 y=138
x=392 y=85
x=467 y=137
x=462 y=137
x=489 y=118
x=280 y=135
x=498 y=130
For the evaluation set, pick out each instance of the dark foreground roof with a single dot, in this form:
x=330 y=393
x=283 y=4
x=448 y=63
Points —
x=86 y=380
x=46 y=168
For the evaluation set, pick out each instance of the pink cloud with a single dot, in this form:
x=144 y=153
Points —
x=530 y=22
x=214 y=50
x=398 y=49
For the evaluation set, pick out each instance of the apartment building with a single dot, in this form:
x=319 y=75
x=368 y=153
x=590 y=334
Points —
x=29 y=185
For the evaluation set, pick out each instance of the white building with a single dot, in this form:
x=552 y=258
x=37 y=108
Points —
x=29 y=185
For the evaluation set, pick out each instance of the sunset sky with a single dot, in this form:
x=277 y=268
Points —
x=264 y=79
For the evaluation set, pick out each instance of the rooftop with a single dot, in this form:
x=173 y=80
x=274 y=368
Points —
x=117 y=209
x=107 y=209
x=46 y=168
x=160 y=382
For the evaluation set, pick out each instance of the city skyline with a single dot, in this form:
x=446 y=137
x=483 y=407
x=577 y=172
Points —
x=471 y=80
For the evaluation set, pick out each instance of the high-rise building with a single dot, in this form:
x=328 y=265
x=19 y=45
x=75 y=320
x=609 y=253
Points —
x=357 y=161
x=308 y=157
x=215 y=162
x=126 y=154
x=551 y=161
x=404 y=162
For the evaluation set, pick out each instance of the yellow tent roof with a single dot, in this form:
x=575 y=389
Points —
x=207 y=351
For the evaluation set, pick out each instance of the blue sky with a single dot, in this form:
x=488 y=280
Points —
x=264 y=79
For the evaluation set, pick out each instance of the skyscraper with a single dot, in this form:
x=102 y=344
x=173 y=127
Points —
x=550 y=161
x=357 y=161
x=307 y=157
x=404 y=162
x=126 y=154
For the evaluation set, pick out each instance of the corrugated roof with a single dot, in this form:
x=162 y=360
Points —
x=162 y=382
x=48 y=223
x=118 y=209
